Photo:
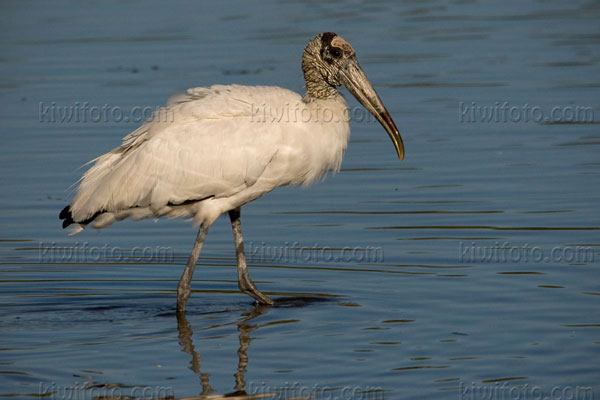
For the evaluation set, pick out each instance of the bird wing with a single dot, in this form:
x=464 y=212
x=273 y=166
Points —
x=204 y=143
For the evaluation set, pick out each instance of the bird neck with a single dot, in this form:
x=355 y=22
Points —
x=316 y=86
x=319 y=90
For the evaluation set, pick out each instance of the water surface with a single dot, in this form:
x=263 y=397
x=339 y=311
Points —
x=470 y=266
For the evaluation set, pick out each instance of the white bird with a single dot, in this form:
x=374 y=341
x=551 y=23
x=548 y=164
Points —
x=215 y=149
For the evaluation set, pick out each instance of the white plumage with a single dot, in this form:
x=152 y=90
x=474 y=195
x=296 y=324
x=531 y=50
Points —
x=227 y=145
x=212 y=150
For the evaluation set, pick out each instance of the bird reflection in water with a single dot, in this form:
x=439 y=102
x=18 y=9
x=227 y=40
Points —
x=244 y=328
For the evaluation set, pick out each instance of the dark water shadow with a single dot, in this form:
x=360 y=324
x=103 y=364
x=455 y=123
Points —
x=299 y=301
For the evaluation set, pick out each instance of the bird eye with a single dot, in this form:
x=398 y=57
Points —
x=336 y=53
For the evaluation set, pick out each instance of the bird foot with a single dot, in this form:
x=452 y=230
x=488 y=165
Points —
x=251 y=290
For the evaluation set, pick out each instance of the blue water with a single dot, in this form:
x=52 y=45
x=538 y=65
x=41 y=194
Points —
x=469 y=270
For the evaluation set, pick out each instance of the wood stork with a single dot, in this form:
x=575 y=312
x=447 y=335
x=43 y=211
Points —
x=221 y=147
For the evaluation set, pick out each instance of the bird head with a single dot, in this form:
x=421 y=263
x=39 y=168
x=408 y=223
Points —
x=328 y=62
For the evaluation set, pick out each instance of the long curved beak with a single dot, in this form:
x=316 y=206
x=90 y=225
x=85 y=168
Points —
x=355 y=80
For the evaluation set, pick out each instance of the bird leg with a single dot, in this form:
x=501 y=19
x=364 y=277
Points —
x=244 y=282
x=183 y=289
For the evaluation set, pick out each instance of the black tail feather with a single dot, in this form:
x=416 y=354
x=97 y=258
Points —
x=66 y=212
x=66 y=215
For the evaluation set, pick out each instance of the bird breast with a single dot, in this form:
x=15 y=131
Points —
x=313 y=140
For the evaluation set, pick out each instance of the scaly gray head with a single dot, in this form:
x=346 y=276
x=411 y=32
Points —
x=328 y=62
